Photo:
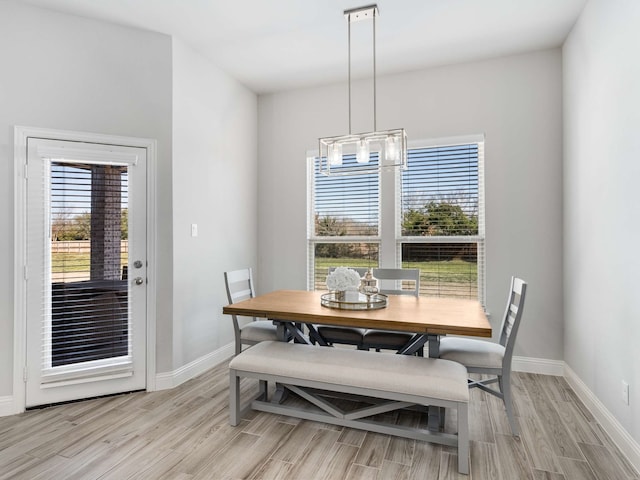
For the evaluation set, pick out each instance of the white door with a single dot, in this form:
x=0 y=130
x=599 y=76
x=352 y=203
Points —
x=86 y=270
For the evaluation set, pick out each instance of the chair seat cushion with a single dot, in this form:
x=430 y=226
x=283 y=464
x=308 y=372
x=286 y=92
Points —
x=259 y=331
x=386 y=338
x=471 y=352
x=350 y=335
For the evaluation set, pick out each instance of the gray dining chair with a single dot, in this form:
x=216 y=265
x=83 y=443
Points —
x=239 y=286
x=343 y=335
x=392 y=281
x=490 y=358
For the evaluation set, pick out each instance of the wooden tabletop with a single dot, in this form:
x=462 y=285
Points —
x=403 y=312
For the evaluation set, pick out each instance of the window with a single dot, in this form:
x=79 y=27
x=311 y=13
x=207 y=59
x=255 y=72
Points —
x=441 y=220
x=344 y=221
x=430 y=216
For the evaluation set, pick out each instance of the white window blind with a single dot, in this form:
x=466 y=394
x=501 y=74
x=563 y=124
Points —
x=89 y=320
x=442 y=219
x=344 y=219
x=346 y=206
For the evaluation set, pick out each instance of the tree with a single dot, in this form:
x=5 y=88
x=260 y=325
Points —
x=67 y=228
x=439 y=219
x=59 y=225
x=83 y=226
x=124 y=224
x=328 y=226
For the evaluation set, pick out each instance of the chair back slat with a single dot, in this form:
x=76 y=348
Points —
x=513 y=314
x=409 y=278
x=239 y=285
x=240 y=295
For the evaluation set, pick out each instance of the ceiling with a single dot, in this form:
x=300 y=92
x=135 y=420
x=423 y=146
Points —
x=283 y=44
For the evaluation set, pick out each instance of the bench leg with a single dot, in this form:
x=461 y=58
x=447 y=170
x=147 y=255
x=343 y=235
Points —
x=234 y=398
x=463 y=438
x=263 y=390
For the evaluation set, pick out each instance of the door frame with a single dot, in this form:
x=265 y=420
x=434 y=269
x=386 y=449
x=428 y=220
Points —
x=21 y=136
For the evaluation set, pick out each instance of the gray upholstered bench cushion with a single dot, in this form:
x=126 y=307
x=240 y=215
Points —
x=385 y=372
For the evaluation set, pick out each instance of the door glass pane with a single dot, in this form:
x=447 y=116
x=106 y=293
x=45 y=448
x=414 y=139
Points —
x=89 y=239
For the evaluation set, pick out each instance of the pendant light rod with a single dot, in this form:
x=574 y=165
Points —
x=367 y=152
x=356 y=15
x=375 y=106
x=349 y=33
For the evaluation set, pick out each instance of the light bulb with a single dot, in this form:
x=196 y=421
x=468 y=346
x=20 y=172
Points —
x=362 y=152
x=335 y=154
x=392 y=154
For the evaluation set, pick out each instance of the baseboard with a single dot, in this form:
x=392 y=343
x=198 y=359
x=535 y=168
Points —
x=538 y=365
x=164 y=381
x=6 y=406
x=627 y=444
x=169 y=380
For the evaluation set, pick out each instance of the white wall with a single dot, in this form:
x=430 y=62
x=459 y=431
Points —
x=66 y=72
x=215 y=187
x=71 y=73
x=601 y=203
x=516 y=101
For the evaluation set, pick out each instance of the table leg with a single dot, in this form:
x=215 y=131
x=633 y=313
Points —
x=434 y=345
x=415 y=344
x=314 y=335
x=281 y=331
x=280 y=394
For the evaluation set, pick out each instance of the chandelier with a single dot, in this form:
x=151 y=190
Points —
x=369 y=152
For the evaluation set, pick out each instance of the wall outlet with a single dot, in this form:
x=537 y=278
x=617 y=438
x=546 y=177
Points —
x=625 y=392
x=194 y=229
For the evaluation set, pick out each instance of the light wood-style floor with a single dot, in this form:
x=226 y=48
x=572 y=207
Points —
x=184 y=434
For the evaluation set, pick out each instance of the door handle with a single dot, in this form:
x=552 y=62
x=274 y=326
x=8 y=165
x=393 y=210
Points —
x=139 y=280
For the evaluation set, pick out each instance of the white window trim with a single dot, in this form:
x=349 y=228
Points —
x=480 y=238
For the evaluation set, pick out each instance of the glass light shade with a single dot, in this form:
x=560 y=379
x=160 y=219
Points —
x=335 y=154
x=362 y=152
x=392 y=151
x=389 y=145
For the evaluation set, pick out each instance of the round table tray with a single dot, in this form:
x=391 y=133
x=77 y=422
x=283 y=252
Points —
x=367 y=302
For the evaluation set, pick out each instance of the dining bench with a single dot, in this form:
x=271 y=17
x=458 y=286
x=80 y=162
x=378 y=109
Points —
x=381 y=382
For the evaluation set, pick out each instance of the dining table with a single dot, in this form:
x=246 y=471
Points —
x=427 y=318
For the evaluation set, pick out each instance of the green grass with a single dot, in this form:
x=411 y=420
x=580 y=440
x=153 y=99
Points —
x=452 y=271
x=454 y=278
x=75 y=262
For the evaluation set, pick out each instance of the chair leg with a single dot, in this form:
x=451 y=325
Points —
x=234 y=398
x=463 y=438
x=238 y=344
x=505 y=387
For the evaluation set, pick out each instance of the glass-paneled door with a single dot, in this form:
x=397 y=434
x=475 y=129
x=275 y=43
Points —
x=86 y=270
